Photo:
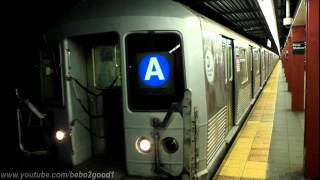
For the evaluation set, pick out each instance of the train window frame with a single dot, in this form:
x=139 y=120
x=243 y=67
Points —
x=226 y=62
x=228 y=54
x=263 y=61
x=55 y=58
x=257 y=52
x=116 y=65
x=177 y=95
x=244 y=75
x=230 y=67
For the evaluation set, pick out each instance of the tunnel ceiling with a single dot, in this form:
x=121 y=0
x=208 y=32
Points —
x=244 y=17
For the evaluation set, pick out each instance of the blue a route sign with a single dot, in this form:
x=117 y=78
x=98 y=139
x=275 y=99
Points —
x=154 y=70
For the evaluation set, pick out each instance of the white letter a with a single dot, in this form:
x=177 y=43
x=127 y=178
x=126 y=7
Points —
x=158 y=72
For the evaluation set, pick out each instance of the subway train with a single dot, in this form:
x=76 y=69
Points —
x=148 y=86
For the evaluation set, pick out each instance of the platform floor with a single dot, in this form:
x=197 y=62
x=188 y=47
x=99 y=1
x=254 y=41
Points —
x=270 y=143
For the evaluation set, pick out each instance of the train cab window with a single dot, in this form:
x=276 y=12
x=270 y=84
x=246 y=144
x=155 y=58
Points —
x=50 y=74
x=106 y=64
x=241 y=54
x=155 y=71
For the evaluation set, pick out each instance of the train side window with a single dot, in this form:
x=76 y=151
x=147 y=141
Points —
x=50 y=74
x=229 y=53
x=106 y=64
x=265 y=59
x=243 y=65
x=257 y=60
x=225 y=59
x=262 y=59
x=155 y=70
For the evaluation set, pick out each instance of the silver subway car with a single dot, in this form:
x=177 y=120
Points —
x=148 y=86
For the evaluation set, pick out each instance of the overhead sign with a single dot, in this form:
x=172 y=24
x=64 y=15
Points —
x=154 y=70
x=298 y=47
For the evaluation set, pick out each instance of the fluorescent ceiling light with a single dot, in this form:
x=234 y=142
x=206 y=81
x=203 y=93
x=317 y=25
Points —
x=269 y=43
x=269 y=14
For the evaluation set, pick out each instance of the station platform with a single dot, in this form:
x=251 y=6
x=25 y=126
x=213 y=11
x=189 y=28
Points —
x=270 y=142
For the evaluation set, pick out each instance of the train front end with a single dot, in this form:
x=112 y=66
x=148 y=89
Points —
x=125 y=97
x=154 y=124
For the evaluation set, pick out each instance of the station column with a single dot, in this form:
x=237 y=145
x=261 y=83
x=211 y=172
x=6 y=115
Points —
x=289 y=64
x=311 y=137
x=284 y=60
x=297 y=68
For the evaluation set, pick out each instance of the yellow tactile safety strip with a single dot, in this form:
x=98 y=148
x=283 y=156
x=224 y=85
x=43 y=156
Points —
x=248 y=156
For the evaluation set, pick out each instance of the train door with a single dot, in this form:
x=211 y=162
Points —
x=76 y=101
x=104 y=68
x=262 y=69
x=269 y=63
x=105 y=80
x=94 y=100
x=242 y=81
x=253 y=82
x=265 y=65
x=227 y=48
x=255 y=71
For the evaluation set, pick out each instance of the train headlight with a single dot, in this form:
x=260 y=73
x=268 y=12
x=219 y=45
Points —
x=170 y=145
x=60 y=135
x=143 y=145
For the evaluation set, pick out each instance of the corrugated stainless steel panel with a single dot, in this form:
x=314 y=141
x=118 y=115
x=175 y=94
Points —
x=217 y=131
x=243 y=101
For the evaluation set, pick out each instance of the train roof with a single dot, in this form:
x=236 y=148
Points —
x=95 y=9
x=97 y=16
